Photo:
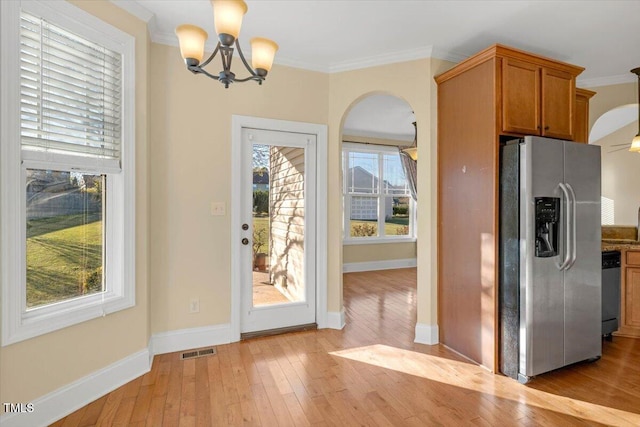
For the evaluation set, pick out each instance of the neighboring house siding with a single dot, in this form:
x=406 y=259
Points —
x=287 y=220
x=364 y=207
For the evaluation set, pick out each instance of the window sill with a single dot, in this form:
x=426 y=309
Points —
x=64 y=314
x=378 y=240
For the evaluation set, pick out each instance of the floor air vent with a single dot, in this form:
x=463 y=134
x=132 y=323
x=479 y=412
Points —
x=192 y=354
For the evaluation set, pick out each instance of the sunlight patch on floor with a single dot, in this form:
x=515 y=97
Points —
x=475 y=378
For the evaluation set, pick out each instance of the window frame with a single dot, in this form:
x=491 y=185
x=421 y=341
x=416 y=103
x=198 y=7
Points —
x=347 y=239
x=18 y=324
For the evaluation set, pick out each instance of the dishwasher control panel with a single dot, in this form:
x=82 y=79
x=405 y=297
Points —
x=611 y=259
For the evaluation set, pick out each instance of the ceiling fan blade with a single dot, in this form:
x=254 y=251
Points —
x=628 y=144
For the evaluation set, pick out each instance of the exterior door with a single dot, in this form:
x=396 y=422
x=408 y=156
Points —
x=278 y=224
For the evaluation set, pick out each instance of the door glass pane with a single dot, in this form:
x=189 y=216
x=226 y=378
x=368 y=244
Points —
x=278 y=225
x=65 y=235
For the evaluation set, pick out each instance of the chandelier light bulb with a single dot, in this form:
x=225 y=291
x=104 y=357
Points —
x=262 y=53
x=227 y=19
x=191 y=39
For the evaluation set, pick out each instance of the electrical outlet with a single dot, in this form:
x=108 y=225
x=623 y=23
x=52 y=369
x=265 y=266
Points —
x=194 y=305
x=218 y=208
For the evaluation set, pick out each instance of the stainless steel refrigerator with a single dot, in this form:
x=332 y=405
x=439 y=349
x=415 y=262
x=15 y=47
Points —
x=550 y=255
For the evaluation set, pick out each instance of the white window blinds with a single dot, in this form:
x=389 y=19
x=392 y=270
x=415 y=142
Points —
x=71 y=97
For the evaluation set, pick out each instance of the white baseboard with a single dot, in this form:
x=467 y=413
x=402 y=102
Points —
x=426 y=334
x=353 y=267
x=335 y=319
x=65 y=400
x=185 y=339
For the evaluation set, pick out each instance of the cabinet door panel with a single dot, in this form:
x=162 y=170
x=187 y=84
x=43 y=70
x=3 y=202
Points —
x=581 y=115
x=558 y=104
x=632 y=297
x=633 y=258
x=581 y=120
x=520 y=97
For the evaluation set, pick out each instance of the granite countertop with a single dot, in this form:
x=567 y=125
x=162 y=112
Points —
x=620 y=244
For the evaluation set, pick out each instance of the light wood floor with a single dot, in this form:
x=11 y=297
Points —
x=370 y=373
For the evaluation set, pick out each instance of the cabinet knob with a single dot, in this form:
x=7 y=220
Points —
x=546 y=128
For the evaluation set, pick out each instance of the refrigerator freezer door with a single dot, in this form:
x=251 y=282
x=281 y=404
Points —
x=541 y=280
x=582 y=280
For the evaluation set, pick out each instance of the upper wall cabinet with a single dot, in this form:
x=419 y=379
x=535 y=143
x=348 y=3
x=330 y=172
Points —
x=538 y=98
x=581 y=117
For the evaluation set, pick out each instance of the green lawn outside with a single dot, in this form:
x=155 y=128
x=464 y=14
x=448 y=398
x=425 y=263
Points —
x=64 y=259
x=392 y=227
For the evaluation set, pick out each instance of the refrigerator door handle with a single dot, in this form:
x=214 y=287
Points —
x=567 y=228
x=574 y=254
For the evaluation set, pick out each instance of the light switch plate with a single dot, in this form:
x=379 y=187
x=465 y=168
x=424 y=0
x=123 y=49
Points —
x=218 y=208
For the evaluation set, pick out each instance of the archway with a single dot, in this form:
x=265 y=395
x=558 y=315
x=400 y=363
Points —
x=377 y=236
x=379 y=210
x=613 y=131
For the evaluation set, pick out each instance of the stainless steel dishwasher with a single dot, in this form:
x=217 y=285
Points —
x=610 y=293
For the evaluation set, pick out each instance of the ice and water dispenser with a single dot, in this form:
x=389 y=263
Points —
x=546 y=223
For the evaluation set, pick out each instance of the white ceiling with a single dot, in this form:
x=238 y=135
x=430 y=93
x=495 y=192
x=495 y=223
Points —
x=336 y=35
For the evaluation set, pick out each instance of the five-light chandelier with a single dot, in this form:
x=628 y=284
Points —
x=227 y=16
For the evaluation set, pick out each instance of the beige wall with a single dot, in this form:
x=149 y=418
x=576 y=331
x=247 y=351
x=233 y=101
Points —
x=190 y=166
x=620 y=169
x=35 y=367
x=378 y=252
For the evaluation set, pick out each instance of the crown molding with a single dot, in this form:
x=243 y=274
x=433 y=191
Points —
x=384 y=59
x=171 y=39
x=607 y=81
x=448 y=55
x=136 y=9
x=166 y=38
x=394 y=57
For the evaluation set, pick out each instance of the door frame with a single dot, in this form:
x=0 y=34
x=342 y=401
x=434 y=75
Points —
x=320 y=131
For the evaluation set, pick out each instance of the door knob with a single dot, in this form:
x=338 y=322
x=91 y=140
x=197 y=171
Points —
x=245 y=241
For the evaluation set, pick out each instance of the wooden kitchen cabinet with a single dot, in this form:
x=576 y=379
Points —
x=537 y=99
x=488 y=98
x=630 y=294
x=581 y=117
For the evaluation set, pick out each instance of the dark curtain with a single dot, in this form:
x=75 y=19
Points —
x=411 y=172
